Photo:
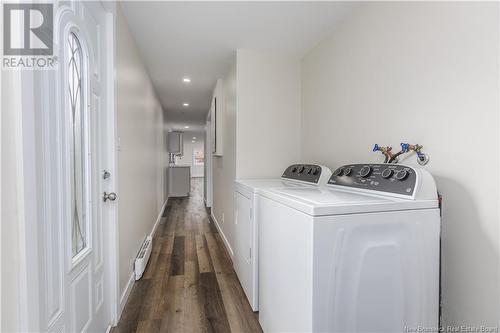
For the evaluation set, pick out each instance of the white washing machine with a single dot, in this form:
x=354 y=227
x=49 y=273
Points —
x=245 y=259
x=360 y=254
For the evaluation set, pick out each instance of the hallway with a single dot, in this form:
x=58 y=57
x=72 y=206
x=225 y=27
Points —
x=189 y=284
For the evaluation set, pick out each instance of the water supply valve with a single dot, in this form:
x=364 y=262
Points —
x=422 y=158
x=386 y=151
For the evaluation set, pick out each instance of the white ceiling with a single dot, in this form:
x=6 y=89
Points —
x=199 y=39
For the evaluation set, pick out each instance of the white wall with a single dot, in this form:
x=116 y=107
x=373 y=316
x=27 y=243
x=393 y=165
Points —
x=189 y=147
x=424 y=73
x=261 y=126
x=224 y=167
x=142 y=154
x=268 y=113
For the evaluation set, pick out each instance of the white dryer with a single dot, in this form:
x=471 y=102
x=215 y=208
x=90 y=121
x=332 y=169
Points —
x=245 y=259
x=360 y=254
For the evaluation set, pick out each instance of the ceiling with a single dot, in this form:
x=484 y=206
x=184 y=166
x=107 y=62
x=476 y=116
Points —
x=198 y=40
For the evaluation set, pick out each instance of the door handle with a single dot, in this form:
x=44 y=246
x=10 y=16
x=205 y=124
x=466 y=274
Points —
x=106 y=174
x=109 y=196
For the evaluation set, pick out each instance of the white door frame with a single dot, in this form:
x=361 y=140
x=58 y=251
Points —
x=208 y=162
x=113 y=241
x=31 y=181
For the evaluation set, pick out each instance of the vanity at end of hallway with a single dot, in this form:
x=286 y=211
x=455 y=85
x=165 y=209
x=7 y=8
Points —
x=179 y=180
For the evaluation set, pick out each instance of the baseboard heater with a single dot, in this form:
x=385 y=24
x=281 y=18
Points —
x=143 y=257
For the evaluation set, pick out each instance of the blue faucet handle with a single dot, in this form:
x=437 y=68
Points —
x=405 y=146
x=376 y=148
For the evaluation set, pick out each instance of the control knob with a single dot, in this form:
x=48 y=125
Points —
x=316 y=171
x=347 y=171
x=301 y=169
x=387 y=173
x=339 y=172
x=402 y=175
x=365 y=171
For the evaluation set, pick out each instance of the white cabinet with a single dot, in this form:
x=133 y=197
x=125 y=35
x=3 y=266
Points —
x=244 y=245
x=179 y=181
x=175 y=143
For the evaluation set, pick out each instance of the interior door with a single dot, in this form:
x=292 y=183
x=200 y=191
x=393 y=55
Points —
x=87 y=171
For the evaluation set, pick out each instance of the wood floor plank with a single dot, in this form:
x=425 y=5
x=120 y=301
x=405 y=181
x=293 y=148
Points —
x=239 y=313
x=130 y=315
x=195 y=223
x=186 y=219
x=180 y=225
x=204 y=263
x=148 y=326
x=150 y=308
x=194 y=312
x=177 y=265
x=170 y=224
x=155 y=252
x=204 y=225
x=189 y=284
x=220 y=261
x=167 y=244
x=190 y=248
x=162 y=263
x=215 y=311
x=125 y=327
x=164 y=294
x=172 y=318
x=161 y=227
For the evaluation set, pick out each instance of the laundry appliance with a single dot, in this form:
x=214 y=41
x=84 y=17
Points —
x=360 y=254
x=245 y=257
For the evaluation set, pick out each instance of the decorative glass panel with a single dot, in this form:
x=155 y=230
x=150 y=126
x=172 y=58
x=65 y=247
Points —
x=78 y=148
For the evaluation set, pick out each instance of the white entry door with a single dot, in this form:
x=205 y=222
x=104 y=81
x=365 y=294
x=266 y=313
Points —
x=80 y=267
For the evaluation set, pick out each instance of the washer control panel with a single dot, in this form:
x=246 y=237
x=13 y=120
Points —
x=391 y=178
x=304 y=172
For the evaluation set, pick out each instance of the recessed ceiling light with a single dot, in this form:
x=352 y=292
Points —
x=193 y=141
x=185 y=104
x=186 y=126
x=194 y=138
x=186 y=80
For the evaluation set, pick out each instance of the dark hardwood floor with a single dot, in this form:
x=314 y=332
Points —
x=189 y=284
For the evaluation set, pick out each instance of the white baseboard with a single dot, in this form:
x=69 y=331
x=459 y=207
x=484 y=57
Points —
x=224 y=239
x=130 y=283
x=126 y=294
x=158 y=219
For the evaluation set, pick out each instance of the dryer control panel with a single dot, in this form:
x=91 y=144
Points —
x=309 y=173
x=391 y=178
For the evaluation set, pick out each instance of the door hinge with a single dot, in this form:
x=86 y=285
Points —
x=251 y=213
x=250 y=253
